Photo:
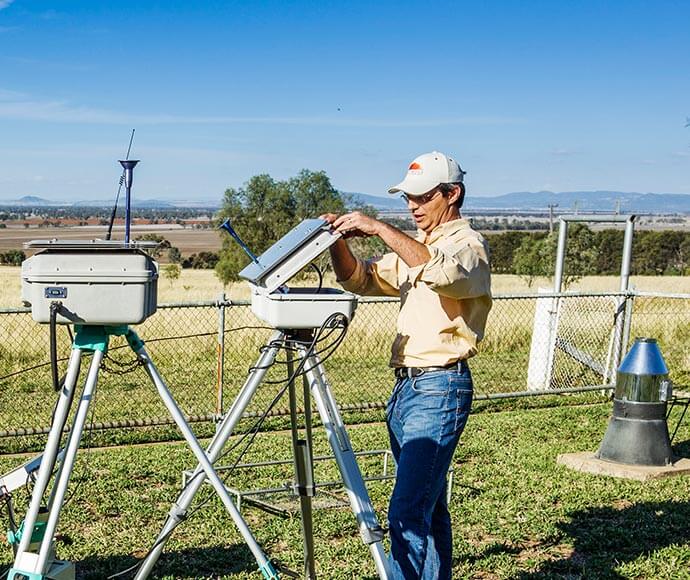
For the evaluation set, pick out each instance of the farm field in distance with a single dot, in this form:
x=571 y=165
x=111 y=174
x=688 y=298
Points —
x=188 y=240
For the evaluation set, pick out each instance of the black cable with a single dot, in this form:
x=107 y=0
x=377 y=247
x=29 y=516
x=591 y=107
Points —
x=313 y=265
x=55 y=308
x=160 y=339
x=119 y=189
x=680 y=419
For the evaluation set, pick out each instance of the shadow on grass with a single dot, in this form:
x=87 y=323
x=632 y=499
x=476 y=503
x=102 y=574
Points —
x=682 y=449
x=605 y=537
x=191 y=563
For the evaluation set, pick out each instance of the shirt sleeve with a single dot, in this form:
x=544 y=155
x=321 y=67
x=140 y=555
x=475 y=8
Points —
x=458 y=271
x=374 y=277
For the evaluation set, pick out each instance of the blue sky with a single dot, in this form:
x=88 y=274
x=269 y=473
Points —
x=526 y=95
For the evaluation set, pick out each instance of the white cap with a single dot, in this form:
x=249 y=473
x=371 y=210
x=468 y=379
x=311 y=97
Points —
x=428 y=171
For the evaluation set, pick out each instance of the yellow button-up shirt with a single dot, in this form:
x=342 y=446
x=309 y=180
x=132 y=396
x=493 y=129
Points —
x=444 y=303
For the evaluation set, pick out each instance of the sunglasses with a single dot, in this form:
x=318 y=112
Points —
x=420 y=199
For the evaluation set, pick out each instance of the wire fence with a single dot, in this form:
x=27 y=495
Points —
x=536 y=342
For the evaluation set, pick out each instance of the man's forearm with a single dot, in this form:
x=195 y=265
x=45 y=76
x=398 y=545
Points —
x=344 y=262
x=412 y=252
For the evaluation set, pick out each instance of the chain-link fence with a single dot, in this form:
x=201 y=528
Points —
x=205 y=350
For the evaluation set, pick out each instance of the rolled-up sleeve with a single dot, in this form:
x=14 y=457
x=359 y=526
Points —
x=456 y=272
x=375 y=277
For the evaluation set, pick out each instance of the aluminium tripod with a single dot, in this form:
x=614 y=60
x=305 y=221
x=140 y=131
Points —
x=315 y=381
x=34 y=559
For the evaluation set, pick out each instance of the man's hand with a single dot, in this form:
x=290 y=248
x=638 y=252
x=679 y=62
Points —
x=356 y=224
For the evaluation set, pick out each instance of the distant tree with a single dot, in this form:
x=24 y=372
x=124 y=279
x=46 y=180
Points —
x=610 y=251
x=12 y=257
x=163 y=244
x=313 y=195
x=171 y=272
x=202 y=260
x=503 y=247
x=538 y=258
x=174 y=255
x=534 y=258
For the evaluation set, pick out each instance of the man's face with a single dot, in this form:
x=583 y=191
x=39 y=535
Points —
x=432 y=208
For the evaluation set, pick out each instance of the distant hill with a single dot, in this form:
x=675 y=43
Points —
x=391 y=202
x=523 y=201
x=626 y=202
x=582 y=201
x=30 y=201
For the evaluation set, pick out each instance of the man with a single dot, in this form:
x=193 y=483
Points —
x=443 y=280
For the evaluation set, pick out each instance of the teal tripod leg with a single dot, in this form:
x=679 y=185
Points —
x=26 y=560
x=29 y=564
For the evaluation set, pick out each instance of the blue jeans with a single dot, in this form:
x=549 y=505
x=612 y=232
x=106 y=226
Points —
x=425 y=417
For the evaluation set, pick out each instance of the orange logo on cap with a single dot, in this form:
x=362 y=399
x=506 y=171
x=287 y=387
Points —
x=414 y=165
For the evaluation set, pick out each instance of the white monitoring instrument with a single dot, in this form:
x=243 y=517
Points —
x=295 y=308
x=96 y=282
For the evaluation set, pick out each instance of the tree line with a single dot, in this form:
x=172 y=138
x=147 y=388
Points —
x=589 y=252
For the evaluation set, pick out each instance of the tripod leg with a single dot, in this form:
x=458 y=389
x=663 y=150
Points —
x=369 y=528
x=51 y=451
x=265 y=565
x=304 y=471
x=178 y=511
x=62 y=480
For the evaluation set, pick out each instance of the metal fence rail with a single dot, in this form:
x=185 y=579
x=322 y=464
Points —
x=204 y=350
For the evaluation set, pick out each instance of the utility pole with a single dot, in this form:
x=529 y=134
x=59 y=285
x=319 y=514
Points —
x=551 y=206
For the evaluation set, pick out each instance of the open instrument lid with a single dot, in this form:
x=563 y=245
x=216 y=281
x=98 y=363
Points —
x=295 y=250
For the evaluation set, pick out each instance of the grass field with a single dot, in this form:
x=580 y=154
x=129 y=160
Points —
x=516 y=514
x=194 y=285
x=358 y=370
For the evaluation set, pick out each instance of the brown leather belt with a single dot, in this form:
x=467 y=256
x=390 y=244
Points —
x=413 y=372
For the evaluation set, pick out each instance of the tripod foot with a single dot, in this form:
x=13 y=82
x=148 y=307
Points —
x=269 y=572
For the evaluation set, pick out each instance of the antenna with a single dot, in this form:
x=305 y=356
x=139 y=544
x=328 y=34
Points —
x=228 y=228
x=117 y=197
x=128 y=165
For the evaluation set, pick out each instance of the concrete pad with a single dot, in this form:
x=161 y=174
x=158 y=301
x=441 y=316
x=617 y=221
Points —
x=586 y=461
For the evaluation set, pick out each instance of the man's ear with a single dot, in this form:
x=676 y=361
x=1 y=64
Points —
x=455 y=194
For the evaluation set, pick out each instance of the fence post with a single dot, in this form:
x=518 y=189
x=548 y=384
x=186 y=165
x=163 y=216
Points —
x=627 y=322
x=220 y=354
x=625 y=313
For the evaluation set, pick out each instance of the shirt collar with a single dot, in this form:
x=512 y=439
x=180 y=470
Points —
x=442 y=230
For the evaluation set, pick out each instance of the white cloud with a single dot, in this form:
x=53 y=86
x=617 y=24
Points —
x=18 y=106
x=5 y=3
x=564 y=152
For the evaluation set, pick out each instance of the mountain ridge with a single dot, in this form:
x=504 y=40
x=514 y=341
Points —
x=597 y=201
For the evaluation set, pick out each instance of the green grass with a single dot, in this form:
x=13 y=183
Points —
x=516 y=514
x=358 y=370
